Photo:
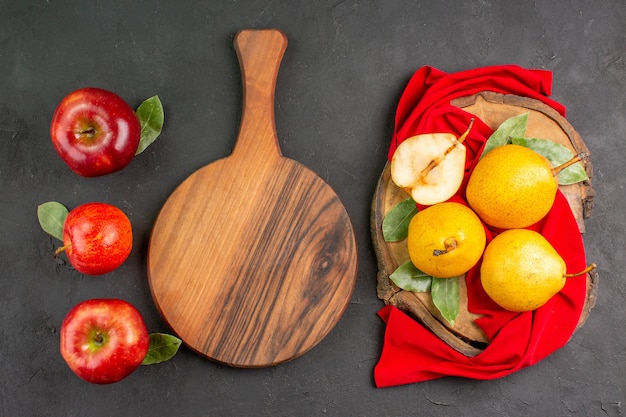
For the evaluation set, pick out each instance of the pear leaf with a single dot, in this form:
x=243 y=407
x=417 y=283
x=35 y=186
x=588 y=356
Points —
x=162 y=348
x=51 y=217
x=396 y=222
x=409 y=278
x=150 y=114
x=445 y=293
x=557 y=154
x=512 y=127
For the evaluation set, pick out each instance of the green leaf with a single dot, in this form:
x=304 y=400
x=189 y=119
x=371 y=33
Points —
x=51 y=217
x=445 y=293
x=557 y=154
x=162 y=348
x=512 y=127
x=150 y=114
x=409 y=278
x=396 y=222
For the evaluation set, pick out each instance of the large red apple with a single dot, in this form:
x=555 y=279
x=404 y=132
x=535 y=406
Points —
x=97 y=238
x=104 y=340
x=95 y=132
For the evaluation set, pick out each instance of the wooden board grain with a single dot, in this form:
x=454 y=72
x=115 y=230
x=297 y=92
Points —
x=252 y=259
x=493 y=108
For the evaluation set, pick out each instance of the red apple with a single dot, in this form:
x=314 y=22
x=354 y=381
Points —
x=104 y=340
x=97 y=238
x=95 y=132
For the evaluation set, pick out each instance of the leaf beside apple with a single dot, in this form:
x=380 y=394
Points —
x=51 y=217
x=162 y=348
x=151 y=116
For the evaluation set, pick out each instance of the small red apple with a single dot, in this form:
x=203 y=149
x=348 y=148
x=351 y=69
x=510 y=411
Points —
x=97 y=238
x=104 y=340
x=95 y=132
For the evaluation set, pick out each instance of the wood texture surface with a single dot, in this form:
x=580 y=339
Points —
x=493 y=108
x=252 y=259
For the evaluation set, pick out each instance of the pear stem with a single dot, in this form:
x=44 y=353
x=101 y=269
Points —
x=575 y=159
x=449 y=245
x=464 y=135
x=583 y=272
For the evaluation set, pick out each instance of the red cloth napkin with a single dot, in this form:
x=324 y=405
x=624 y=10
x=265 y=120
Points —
x=412 y=353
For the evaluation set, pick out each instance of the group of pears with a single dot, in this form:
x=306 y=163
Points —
x=510 y=188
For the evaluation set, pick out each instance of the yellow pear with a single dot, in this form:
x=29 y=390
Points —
x=445 y=240
x=521 y=270
x=513 y=186
x=430 y=166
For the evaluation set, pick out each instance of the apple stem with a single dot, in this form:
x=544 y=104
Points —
x=98 y=338
x=583 y=272
x=572 y=161
x=61 y=249
x=89 y=132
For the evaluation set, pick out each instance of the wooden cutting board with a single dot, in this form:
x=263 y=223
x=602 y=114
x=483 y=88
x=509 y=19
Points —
x=252 y=259
x=492 y=108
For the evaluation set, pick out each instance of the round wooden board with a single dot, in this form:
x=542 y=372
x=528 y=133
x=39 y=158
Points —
x=492 y=108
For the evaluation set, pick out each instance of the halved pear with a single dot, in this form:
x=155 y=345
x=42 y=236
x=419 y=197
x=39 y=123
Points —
x=430 y=167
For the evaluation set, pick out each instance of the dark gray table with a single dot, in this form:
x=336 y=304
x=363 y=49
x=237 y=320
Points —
x=346 y=64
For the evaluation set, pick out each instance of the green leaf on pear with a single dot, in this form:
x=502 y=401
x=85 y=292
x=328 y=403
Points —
x=51 y=217
x=162 y=348
x=557 y=154
x=396 y=222
x=512 y=127
x=409 y=278
x=151 y=116
x=445 y=294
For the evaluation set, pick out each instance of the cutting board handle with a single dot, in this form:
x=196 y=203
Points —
x=259 y=52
